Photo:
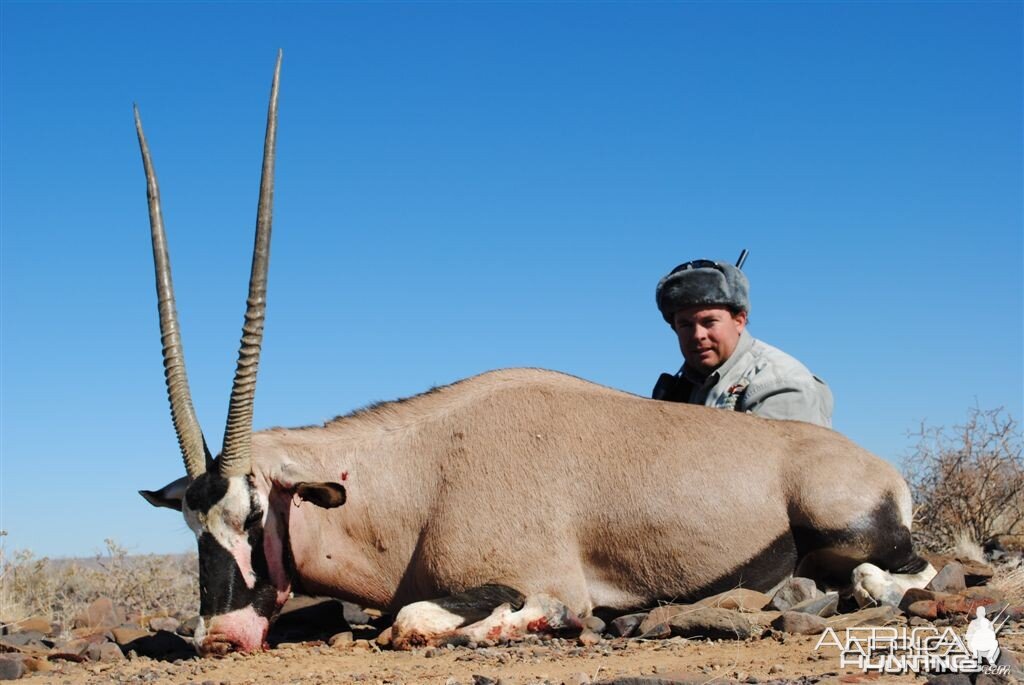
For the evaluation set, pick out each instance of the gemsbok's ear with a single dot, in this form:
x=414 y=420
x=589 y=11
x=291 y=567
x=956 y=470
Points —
x=290 y=477
x=169 y=496
x=324 y=495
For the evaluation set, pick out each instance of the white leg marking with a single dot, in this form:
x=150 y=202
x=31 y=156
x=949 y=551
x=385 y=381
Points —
x=872 y=585
x=425 y=623
x=420 y=621
x=540 y=614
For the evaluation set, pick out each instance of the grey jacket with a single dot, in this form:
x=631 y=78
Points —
x=763 y=380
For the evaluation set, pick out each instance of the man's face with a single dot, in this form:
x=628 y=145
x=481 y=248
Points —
x=708 y=335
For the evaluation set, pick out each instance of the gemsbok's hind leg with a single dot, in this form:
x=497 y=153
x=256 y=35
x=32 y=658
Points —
x=492 y=613
x=871 y=556
x=872 y=585
x=891 y=568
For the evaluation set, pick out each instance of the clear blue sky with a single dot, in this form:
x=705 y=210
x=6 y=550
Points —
x=467 y=186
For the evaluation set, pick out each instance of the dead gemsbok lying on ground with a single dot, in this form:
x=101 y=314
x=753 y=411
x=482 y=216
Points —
x=513 y=501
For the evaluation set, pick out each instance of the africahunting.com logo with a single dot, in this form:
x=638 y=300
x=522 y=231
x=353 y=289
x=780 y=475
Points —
x=920 y=649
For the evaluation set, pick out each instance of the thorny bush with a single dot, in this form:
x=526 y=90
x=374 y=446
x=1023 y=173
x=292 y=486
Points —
x=967 y=481
x=57 y=589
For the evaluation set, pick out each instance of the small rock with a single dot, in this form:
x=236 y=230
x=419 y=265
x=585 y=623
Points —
x=762 y=619
x=341 y=640
x=168 y=623
x=921 y=595
x=995 y=679
x=107 y=652
x=594 y=623
x=824 y=606
x=79 y=646
x=949 y=679
x=577 y=679
x=188 y=626
x=626 y=626
x=960 y=605
x=927 y=609
x=688 y=621
x=1008 y=658
x=483 y=680
x=874 y=616
x=799 y=623
x=589 y=638
x=92 y=652
x=35 y=624
x=740 y=599
x=91 y=633
x=384 y=639
x=37 y=665
x=11 y=669
x=365 y=646
x=916 y=594
x=662 y=614
x=1013 y=661
x=355 y=615
x=795 y=591
x=123 y=636
x=986 y=593
x=776 y=668
x=17 y=641
x=102 y=613
x=660 y=631
x=950 y=579
x=975 y=573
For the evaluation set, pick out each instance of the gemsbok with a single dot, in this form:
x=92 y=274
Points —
x=514 y=501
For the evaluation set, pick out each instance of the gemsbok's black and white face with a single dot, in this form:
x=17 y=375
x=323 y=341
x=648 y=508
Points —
x=242 y=535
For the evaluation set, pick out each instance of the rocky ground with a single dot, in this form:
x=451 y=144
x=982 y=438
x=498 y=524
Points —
x=739 y=636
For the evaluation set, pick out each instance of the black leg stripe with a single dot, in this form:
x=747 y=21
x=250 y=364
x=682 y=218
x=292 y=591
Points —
x=476 y=604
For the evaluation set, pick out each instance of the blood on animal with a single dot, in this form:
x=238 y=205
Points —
x=539 y=625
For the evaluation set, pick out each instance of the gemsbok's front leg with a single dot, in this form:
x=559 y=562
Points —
x=488 y=613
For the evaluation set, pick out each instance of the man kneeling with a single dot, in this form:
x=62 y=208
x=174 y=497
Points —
x=707 y=304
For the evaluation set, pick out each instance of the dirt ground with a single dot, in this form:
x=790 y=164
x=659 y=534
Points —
x=555 y=662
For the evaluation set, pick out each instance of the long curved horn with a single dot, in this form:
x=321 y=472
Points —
x=237 y=455
x=186 y=425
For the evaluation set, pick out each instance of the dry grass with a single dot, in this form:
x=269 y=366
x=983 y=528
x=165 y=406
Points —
x=147 y=585
x=1010 y=581
x=966 y=548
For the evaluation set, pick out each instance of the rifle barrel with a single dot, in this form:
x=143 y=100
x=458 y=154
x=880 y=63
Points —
x=742 y=259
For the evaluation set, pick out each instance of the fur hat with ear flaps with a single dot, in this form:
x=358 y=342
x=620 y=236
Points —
x=702 y=282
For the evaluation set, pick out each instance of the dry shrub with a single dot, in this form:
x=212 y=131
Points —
x=1010 y=581
x=968 y=481
x=966 y=548
x=149 y=585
